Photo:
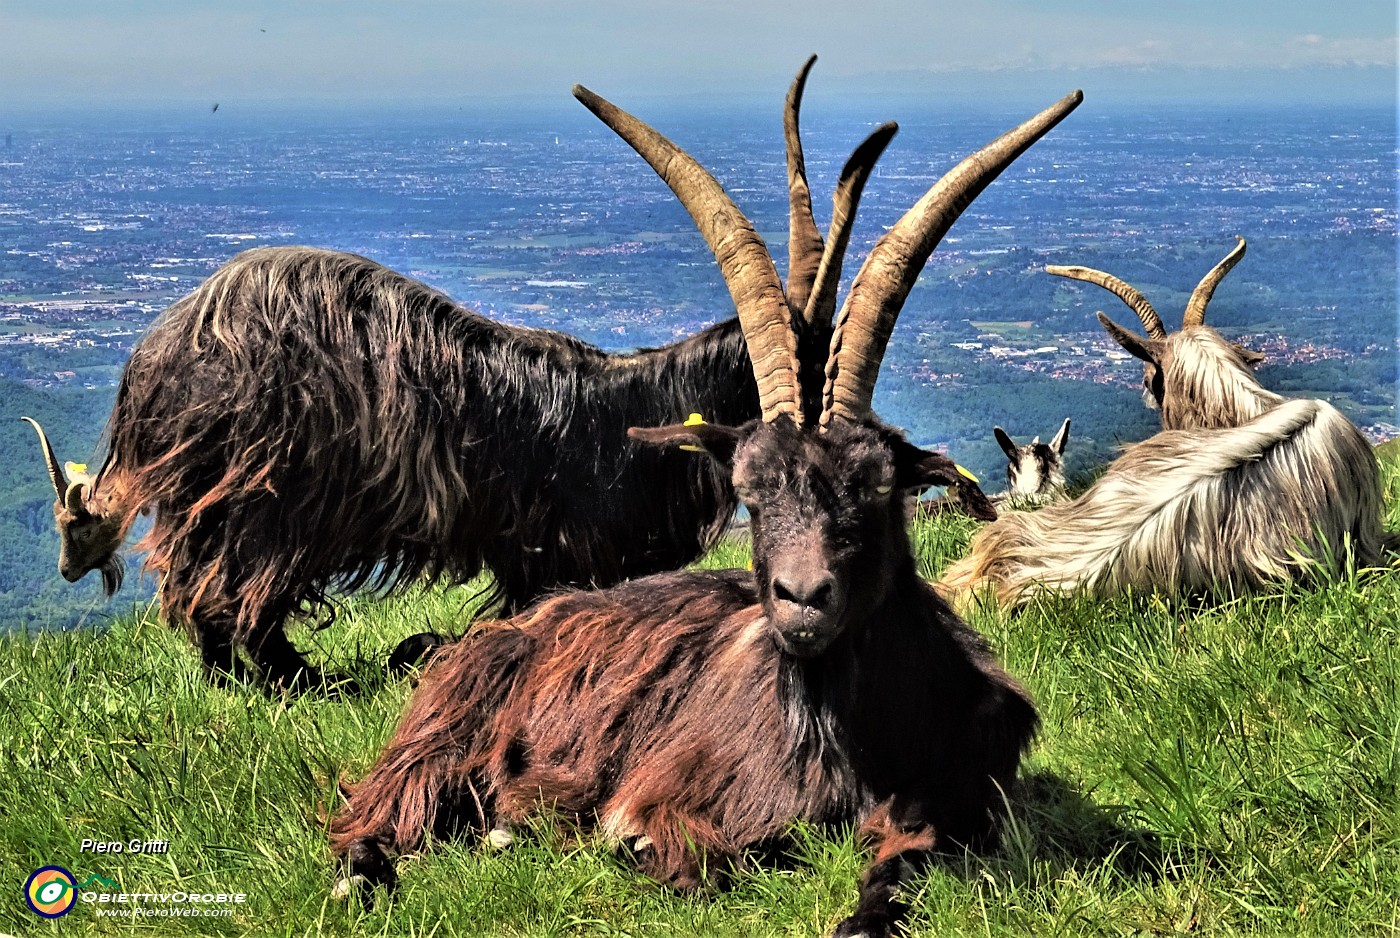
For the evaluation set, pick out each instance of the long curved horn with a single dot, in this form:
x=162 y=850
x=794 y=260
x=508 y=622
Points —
x=60 y=481
x=1200 y=297
x=743 y=257
x=821 y=305
x=866 y=320
x=804 y=240
x=1135 y=300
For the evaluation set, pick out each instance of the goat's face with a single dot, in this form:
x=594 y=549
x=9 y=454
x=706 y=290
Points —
x=88 y=540
x=828 y=516
x=89 y=537
x=1193 y=349
x=1035 y=470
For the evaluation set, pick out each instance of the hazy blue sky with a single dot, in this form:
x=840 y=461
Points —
x=141 y=51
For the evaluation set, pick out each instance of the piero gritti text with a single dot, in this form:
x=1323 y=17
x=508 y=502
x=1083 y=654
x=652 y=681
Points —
x=130 y=846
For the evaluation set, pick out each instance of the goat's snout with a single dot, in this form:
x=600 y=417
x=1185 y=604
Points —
x=806 y=609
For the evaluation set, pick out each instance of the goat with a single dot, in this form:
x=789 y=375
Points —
x=1240 y=489
x=1035 y=473
x=695 y=715
x=1034 y=476
x=308 y=421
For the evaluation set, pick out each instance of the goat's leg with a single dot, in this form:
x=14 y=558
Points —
x=396 y=807
x=222 y=666
x=902 y=851
x=282 y=666
x=423 y=783
x=209 y=626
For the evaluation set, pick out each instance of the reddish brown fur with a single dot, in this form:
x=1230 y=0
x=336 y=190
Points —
x=663 y=709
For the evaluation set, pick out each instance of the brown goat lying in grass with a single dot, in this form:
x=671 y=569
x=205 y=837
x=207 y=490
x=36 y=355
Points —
x=697 y=715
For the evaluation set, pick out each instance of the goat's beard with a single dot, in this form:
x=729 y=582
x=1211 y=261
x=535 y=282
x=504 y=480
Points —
x=112 y=571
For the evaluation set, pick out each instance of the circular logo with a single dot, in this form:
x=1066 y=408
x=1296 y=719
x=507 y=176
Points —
x=50 y=891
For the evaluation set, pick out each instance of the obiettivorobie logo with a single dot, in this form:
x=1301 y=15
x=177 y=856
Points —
x=51 y=891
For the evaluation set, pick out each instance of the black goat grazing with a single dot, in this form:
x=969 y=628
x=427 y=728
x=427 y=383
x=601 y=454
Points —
x=309 y=421
x=699 y=714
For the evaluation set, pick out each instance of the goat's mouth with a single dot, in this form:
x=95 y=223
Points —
x=112 y=570
x=803 y=634
x=804 y=644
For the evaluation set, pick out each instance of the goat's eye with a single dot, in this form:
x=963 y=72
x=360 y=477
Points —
x=884 y=489
x=84 y=535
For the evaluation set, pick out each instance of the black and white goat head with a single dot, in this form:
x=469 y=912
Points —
x=1035 y=473
x=1195 y=377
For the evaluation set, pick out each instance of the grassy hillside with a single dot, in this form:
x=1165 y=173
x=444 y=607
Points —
x=1224 y=770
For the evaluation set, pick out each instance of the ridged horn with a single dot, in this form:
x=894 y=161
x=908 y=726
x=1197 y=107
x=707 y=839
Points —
x=743 y=257
x=821 y=305
x=1135 y=300
x=1200 y=297
x=866 y=320
x=60 y=481
x=804 y=239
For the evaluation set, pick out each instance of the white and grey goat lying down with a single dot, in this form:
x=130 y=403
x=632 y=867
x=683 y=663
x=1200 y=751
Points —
x=1241 y=488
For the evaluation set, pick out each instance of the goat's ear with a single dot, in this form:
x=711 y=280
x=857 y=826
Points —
x=718 y=441
x=1135 y=344
x=1251 y=357
x=1008 y=445
x=973 y=500
x=916 y=468
x=73 y=499
x=1061 y=439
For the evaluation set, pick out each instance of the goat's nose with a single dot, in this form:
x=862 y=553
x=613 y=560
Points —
x=812 y=591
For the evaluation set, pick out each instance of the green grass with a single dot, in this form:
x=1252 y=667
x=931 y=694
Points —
x=1229 y=769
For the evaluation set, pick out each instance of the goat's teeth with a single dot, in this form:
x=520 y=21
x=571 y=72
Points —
x=500 y=838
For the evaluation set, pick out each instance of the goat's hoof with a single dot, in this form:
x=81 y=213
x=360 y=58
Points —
x=499 y=837
x=864 y=925
x=364 y=867
x=354 y=885
x=294 y=683
x=228 y=675
x=414 y=651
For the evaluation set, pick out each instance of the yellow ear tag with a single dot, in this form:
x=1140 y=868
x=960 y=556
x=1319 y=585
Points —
x=694 y=420
x=73 y=467
x=964 y=473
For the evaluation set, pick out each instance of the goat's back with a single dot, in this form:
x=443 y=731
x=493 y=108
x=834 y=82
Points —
x=1195 y=511
x=309 y=420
